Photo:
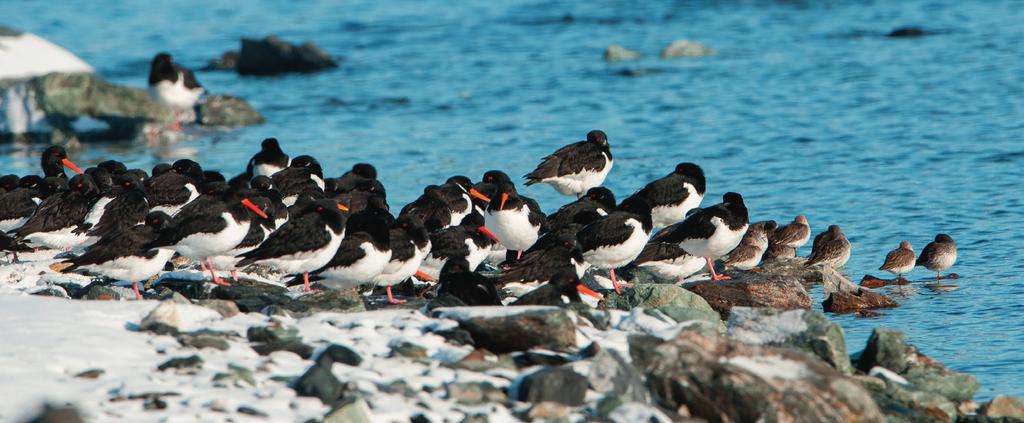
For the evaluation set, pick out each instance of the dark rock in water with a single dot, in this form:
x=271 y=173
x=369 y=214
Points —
x=850 y=302
x=319 y=382
x=907 y=31
x=190 y=362
x=272 y=55
x=344 y=301
x=91 y=374
x=719 y=379
x=807 y=330
x=530 y=358
x=276 y=337
x=502 y=330
x=685 y=48
x=611 y=374
x=226 y=110
x=408 y=350
x=869 y=281
x=638 y=72
x=472 y=393
x=226 y=61
x=204 y=341
x=338 y=354
x=885 y=348
x=557 y=384
x=617 y=53
x=1003 y=406
x=57 y=414
x=751 y=290
x=101 y=293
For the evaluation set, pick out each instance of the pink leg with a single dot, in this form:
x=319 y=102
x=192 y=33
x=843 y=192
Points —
x=392 y=300
x=305 y=280
x=616 y=283
x=715 y=276
x=135 y=287
x=519 y=255
x=213 y=276
x=176 y=126
x=938 y=276
x=202 y=265
x=234 y=275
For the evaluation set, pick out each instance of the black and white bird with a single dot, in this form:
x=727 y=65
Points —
x=54 y=160
x=563 y=286
x=751 y=250
x=18 y=204
x=577 y=167
x=457 y=278
x=268 y=161
x=54 y=222
x=305 y=243
x=938 y=255
x=171 y=188
x=540 y=266
x=211 y=225
x=470 y=240
x=794 y=234
x=600 y=200
x=410 y=244
x=617 y=239
x=123 y=206
x=511 y=219
x=304 y=174
x=173 y=85
x=432 y=208
x=900 y=261
x=259 y=230
x=359 y=172
x=667 y=260
x=675 y=194
x=457 y=191
x=125 y=255
x=830 y=248
x=363 y=254
x=711 y=232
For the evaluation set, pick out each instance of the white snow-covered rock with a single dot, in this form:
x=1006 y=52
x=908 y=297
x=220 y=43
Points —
x=24 y=55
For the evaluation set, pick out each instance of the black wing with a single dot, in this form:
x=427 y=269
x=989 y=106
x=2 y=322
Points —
x=402 y=247
x=611 y=230
x=190 y=78
x=209 y=220
x=127 y=242
x=658 y=251
x=696 y=226
x=449 y=242
x=124 y=211
x=350 y=250
x=669 y=190
x=573 y=158
x=303 y=233
x=56 y=212
x=546 y=294
x=16 y=204
x=539 y=266
x=472 y=288
x=168 y=188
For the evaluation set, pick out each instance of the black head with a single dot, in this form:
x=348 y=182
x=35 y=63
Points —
x=127 y=182
x=943 y=238
x=271 y=145
x=637 y=205
x=161 y=69
x=375 y=222
x=455 y=266
x=160 y=169
x=101 y=177
x=413 y=226
x=262 y=203
x=364 y=170
x=603 y=196
x=9 y=182
x=53 y=185
x=333 y=186
x=54 y=160
x=82 y=184
x=113 y=166
x=308 y=162
x=460 y=181
x=217 y=188
x=496 y=177
x=261 y=183
x=689 y=169
x=331 y=211
x=586 y=217
x=213 y=176
x=138 y=173
x=33 y=182
x=372 y=186
x=473 y=220
x=190 y=169
x=598 y=137
x=566 y=282
x=158 y=220
x=240 y=180
x=505 y=197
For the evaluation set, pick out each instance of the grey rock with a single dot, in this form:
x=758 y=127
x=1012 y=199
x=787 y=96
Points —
x=556 y=384
x=885 y=348
x=51 y=291
x=237 y=375
x=102 y=293
x=611 y=374
x=172 y=296
x=617 y=53
x=318 y=381
x=791 y=267
x=190 y=362
x=654 y=296
x=277 y=337
x=456 y=336
x=230 y=111
x=90 y=374
x=203 y=341
x=752 y=290
x=686 y=314
x=227 y=61
x=935 y=378
x=57 y=414
x=408 y=350
x=1004 y=406
x=272 y=55
x=807 y=330
x=639 y=412
x=472 y=393
x=343 y=301
x=245 y=409
x=336 y=353
x=685 y=48
x=351 y=410
x=502 y=330
x=223 y=307
x=163 y=319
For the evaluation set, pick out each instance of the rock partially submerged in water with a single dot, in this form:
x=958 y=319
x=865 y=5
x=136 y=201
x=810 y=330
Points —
x=230 y=111
x=861 y=300
x=273 y=55
x=752 y=290
x=685 y=48
x=887 y=348
x=617 y=53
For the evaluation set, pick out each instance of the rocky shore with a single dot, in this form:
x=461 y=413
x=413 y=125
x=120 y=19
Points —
x=744 y=350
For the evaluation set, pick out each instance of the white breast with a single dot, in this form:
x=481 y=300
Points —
x=578 y=183
x=203 y=245
x=615 y=256
x=719 y=244
x=663 y=216
x=308 y=260
x=362 y=271
x=512 y=227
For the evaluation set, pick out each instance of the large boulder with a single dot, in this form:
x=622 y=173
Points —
x=1004 y=406
x=792 y=266
x=851 y=302
x=508 y=329
x=612 y=374
x=555 y=384
x=226 y=110
x=807 y=330
x=752 y=290
x=655 y=296
x=720 y=379
x=888 y=349
x=273 y=55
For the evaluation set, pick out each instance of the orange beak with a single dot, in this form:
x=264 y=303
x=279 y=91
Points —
x=342 y=207
x=72 y=166
x=424 y=276
x=254 y=208
x=489 y=234
x=582 y=289
x=504 y=198
x=477 y=194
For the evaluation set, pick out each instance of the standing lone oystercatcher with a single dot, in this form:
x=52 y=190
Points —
x=173 y=85
x=577 y=167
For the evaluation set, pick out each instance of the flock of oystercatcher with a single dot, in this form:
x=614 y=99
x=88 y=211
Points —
x=282 y=212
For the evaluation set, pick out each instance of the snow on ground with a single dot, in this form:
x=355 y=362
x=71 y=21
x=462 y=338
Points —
x=26 y=55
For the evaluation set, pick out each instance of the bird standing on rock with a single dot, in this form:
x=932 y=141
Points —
x=899 y=261
x=363 y=254
x=830 y=248
x=711 y=232
x=577 y=167
x=794 y=234
x=749 y=253
x=674 y=195
x=938 y=255
x=173 y=85
x=617 y=239
x=410 y=244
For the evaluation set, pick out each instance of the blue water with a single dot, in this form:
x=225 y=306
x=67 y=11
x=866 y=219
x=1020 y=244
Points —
x=805 y=108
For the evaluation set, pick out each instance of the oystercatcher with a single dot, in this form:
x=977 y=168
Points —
x=564 y=284
x=667 y=260
x=172 y=188
x=617 y=239
x=900 y=261
x=359 y=172
x=794 y=234
x=470 y=240
x=265 y=188
x=512 y=220
x=577 y=167
x=305 y=243
x=540 y=266
x=363 y=254
x=259 y=230
x=304 y=174
x=211 y=225
x=54 y=160
x=456 y=192
x=559 y=234
x=365 y=194
x=830 y=248
x=432 y=208
x=125 y=255
x=749 y=253
x=54 y=222
x=173 y=85
x=598 y=199
x=458 y=279
x=675 y=194
x=938 y=255
x=268 y=161
x=124 y=206
x=711 y=232
x=17 y=205
x=114 y=167
x=410 y=244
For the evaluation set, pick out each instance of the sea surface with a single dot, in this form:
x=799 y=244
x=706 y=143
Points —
x=806 y=107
